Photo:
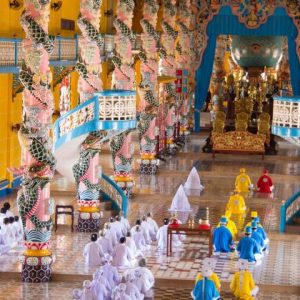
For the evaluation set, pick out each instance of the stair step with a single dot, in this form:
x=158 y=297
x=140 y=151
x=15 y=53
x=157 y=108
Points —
x=107 y=214
x=63 y=193
x=293 y=229
x=296 y=220
x=105 y=205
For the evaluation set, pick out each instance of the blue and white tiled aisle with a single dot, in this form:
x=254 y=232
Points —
x=154 y=193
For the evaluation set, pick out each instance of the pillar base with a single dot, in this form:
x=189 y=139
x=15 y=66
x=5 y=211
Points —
x=88 y=222
x=36 y=269
x=148 y=169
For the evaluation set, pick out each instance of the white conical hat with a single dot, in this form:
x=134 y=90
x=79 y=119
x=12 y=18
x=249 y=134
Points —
x=180 y=201
x=193 y=181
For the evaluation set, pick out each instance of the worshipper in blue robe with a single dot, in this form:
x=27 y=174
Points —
x=205 y=289
x=247 y=246
x=222 y=237
x=261 y=230
x=257 y=237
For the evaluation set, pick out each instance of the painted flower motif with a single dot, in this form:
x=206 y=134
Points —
x=84 y=216
x=32 y=261
x=121 y=184
x=96 y=216
x=22 y=259
x=46 y=260
x=129 y=184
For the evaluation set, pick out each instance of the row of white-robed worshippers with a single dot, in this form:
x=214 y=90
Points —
x=109 y=284
x=11 y=230
x=127 y=245
x=192 y=187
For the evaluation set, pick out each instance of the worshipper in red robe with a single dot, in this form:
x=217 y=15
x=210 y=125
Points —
x=265 y=183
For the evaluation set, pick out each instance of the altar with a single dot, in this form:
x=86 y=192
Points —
x=189 y=231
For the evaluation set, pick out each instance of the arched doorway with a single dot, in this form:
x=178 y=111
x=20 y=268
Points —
x=226 y=23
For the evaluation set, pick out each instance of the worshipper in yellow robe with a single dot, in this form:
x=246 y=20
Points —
x=210 y=263
x=253 y=216
x=243 y=182
x=236 y=203
x=242 y=284
x=230 y=224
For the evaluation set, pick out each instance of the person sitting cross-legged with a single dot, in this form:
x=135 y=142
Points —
x=93 y=252
x=210 y=263
x=247 y=246
x=242 y=284
x=222 y=238
x=205 y=288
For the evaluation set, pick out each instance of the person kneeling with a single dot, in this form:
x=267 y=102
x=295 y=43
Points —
x=205 y=289
x=242 y=284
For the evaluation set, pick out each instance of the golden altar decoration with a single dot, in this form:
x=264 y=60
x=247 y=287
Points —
x=242 y=142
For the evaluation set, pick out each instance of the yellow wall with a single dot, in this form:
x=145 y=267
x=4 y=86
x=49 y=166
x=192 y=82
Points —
x=11 y=108
x=70 y=11
x=10 y=114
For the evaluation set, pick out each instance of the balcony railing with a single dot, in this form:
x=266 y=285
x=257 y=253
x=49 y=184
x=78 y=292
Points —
x=288 y=210
x=92 y=115
x=65 y=52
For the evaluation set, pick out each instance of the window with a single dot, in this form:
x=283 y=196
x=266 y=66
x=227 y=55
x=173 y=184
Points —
x=67 y=24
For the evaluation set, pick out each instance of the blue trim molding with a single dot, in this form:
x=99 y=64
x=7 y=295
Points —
x=286 y=131
x=7 y=187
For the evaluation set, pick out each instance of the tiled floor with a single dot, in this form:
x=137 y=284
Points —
x=154 y=193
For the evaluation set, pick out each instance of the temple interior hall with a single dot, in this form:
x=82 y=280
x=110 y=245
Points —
x=150 y=149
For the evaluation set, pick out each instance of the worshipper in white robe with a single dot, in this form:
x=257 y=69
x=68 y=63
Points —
x=4 y=246
x=19 y=229
x=133 y=231
x=120 y=293
x=8 y=233
x=130 y=243
x=161 y=235
x=2 y=215
x=117 y=227
x=146 y=227
x=153 y=225
x=122 y=225
x=110 y=234
x=121 y=255
x=110 y=272
x=8 y=212
x=193 y=183
x=77 y=294
x=131 y=289
x=180 y=201
x=87 y=293
x=139 y=239
x=146 y=277
x=124 y=221
x=13 y=230
x=99 y=286
x=93 y=252
x=105 y=242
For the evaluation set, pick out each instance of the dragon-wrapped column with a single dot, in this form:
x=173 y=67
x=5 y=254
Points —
x=147 y=129
x=183 y=62
x=89 y=67
x=38 y=164
x=191 y=65
x=123 y=79
x=167 y=67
